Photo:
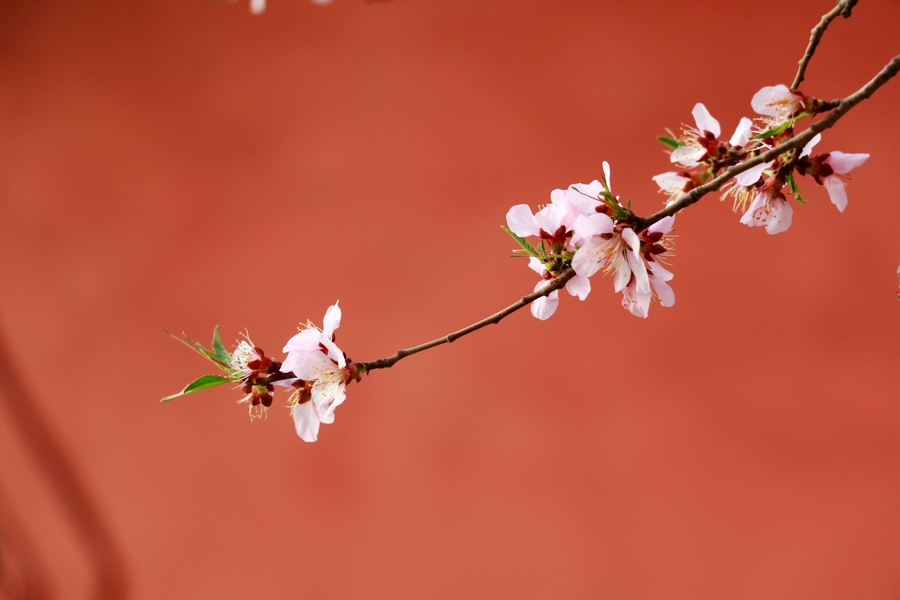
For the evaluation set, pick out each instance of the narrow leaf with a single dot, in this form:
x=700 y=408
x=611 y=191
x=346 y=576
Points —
x=670 y=142
x=523 y=242
x=219 y=348
x=207 y=381
x=774 y=131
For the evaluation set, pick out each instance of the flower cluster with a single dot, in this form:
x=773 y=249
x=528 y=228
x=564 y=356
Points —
x=587 y=229
x=758 y=191
x=322 y=374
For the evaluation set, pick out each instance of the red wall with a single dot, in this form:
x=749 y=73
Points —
x=181 y=164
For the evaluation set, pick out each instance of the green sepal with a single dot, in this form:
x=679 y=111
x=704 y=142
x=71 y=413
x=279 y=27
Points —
x=669 y=142
x=219 y=348
x=202 y=383
x=795 y=190
x=530 y=249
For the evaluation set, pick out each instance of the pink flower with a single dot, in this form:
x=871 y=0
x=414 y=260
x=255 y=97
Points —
x=611 y=248
x=777 y=102
x=769 y=209
x=701 y=143
x=672 y=184
x=825 y=169
x=544 y=307
x=322 y=372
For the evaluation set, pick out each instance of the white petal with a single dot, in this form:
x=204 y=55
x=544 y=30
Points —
x=755 y=212
x=671 y=182
x=660 y=272
x=306 y=421
x=741 y=133
x=303 y=364
x=606 y=174
x=642 y=283
x=637 y=304
x=332 y=319
x=811 y=144
x=836 y=191
x=256 y=7
x=595 y=224
x=775 y=101
x=551 y=217
x=305 y=341
x=334 y=352
x=663 y=226
x=543 y=308
x=536 y=265
x=588 y=259
x=521 y=221
x=583 y=196
x=843 y=163
x=705 y=121
x=780 y=218
x=579 y=286
x=664 y=292
x=688 y=156
x=752 y=175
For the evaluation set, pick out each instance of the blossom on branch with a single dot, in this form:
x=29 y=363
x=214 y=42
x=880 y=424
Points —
x=322 y=374
x=702 y=144
x=826 y=168
x=778 y=102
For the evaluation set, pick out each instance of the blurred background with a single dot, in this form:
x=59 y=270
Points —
x=178 y=165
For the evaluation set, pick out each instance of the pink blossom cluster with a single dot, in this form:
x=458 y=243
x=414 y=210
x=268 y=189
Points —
x=760 y=190
x=586 y=227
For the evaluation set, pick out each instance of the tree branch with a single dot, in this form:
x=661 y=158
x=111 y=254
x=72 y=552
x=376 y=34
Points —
x=798 y=141
x=693 y=196
x=843 y=8
x=385 y=363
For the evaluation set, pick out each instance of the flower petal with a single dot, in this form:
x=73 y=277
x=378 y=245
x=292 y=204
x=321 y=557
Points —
x=583 y=196
x=752 y=175
x=332 y=320
x=810 y=145
x=775 y=101
x=741 y=133
x=687 y=156
x=780 y=218
x=543 y=308
x=843 y=163
x=521 y=221
x=590 y=225
x=256 y=7
x=705 y=121
x=306 y=421
x=536 y=265
x=579 y=286
x=588 y=258
x=836 y=191
x=663 y=226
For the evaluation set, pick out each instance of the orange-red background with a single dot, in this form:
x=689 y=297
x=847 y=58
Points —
x=181 y=164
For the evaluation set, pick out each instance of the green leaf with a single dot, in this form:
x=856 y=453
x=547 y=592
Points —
x=524 y=243
x=670 y=142
x=774 y=131
x=219 y=348
x=207 y=381
x=200 y=349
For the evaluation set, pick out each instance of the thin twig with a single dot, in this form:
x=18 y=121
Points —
x=384 y=363
x=843 y=8
x=798 y=141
